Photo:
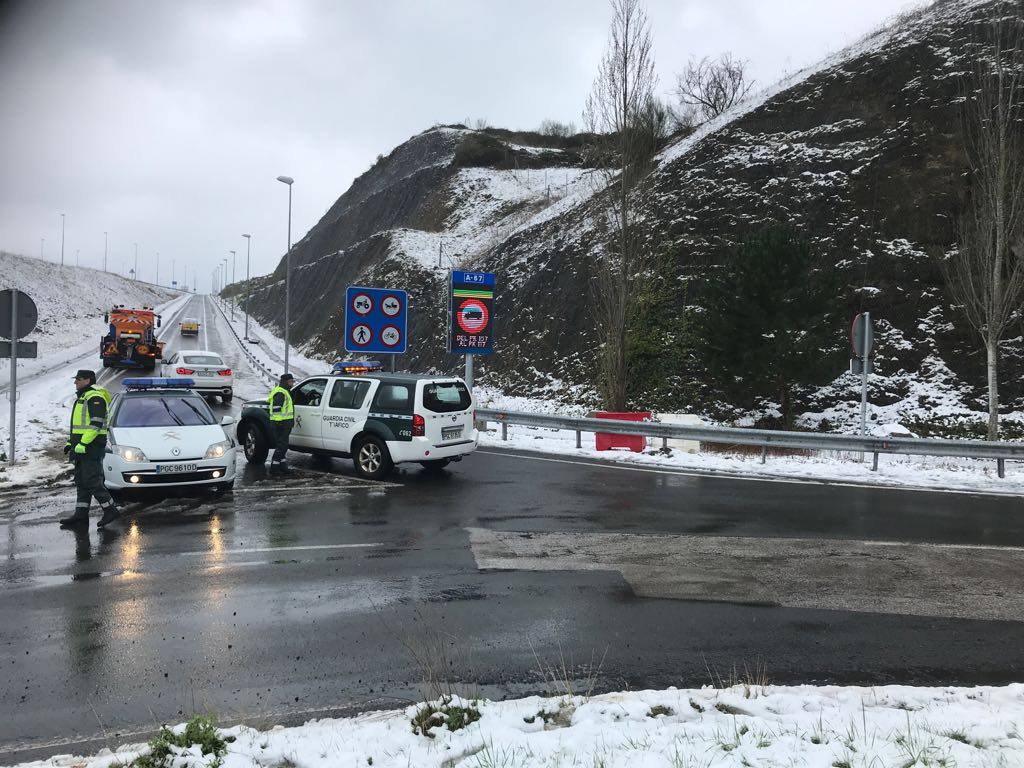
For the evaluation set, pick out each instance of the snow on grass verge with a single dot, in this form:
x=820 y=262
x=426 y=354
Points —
x=743 y=725
x=917 y=472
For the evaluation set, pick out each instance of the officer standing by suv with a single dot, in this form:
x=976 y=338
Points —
x=86 y=445
x=282 y=418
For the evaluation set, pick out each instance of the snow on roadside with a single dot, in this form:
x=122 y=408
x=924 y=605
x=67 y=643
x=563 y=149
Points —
x=71 y=303
x=270 y=350
x=916 y=472
x=750 y=724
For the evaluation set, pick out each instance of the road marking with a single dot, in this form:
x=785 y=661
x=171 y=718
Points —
x=254 y=550
x=898 y=578
x=726 y=475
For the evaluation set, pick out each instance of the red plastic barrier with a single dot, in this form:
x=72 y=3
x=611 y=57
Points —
x=607 y=440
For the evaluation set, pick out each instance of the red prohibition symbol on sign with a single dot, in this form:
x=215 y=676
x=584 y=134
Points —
x=361 y=335
x=391 y=336
x=391 y=305
x=362 y=304
x=472 y=316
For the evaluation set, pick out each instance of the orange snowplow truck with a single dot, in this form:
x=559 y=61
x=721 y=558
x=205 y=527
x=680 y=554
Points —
x=131 y=340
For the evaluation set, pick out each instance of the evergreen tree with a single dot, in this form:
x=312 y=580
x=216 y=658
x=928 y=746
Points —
x=771 y=321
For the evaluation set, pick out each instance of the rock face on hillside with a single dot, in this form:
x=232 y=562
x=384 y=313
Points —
x=862 y=155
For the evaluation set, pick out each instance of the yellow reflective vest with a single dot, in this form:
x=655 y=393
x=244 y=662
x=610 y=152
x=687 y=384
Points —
x=88 y=420
x=285 y=410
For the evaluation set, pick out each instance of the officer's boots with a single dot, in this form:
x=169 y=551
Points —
x=80 y=517
x=110 y=514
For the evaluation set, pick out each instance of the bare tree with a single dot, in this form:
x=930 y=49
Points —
x=550 y=127
x=709 y=87
x=985 y=274
x=618 y=109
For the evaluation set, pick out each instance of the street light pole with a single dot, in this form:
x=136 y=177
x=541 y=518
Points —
x=234 y=299
x=62 y=239
x=104 y=251
x=287 y=271
x=248 y=250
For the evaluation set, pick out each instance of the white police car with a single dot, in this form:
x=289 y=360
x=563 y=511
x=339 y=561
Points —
x=163 y=434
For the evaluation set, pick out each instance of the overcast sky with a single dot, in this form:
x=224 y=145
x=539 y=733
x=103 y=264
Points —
x=167 y=122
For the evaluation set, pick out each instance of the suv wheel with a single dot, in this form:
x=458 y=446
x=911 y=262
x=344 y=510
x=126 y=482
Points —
x=255 y=445
x=372 y=459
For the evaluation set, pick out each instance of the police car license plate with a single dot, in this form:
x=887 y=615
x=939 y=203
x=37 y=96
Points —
x=168 y=469
x=450 y=433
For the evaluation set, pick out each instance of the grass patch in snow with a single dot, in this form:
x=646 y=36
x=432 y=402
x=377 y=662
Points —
x=446 y=712
x=200 y=731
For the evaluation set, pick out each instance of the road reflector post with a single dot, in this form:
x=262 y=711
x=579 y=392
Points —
x=579 y=439
x=1001 y=467
x=504 y=430
x=764 y=453
x=874 y=462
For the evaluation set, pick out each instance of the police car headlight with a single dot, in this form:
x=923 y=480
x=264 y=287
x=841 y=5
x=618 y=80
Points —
x=129 y=454
x=217 y=450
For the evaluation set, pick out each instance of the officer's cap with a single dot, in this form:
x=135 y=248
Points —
x=85 y=373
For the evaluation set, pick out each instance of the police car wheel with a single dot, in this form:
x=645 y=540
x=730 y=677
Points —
x=255 y=446
x=372 y=459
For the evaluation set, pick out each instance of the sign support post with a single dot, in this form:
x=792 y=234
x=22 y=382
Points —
x=13 y=392
x=469 y=372
x=864 y=352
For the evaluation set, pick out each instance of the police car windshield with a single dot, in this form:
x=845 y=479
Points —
x=163 y=410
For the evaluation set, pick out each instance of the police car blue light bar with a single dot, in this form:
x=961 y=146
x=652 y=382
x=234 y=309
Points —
x=357 y=366
x=158 y=383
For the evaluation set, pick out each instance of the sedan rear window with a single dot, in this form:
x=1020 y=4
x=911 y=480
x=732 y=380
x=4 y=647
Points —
x=202 y=360
x=445 y=397
x=164 y=411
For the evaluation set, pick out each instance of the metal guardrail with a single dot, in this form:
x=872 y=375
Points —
x=254 y=362
x=763 y=438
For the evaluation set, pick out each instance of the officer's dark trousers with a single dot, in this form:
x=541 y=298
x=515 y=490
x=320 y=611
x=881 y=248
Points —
x=89 y=478
x=281 y=431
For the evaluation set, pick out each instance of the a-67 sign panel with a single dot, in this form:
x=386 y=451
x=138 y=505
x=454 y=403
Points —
x=471 y=311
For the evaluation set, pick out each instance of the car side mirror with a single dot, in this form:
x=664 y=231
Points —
x=227 y=421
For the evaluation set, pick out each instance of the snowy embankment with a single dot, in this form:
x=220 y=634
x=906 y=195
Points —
x=71 y=303
x=911 y=472
x=817 y=727
x=270 y=349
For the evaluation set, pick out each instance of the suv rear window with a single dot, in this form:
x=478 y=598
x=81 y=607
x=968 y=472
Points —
x=445 y=397
x=393 y=398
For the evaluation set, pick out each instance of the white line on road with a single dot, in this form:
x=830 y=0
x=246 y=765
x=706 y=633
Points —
x=753 y=478
x=252 y=550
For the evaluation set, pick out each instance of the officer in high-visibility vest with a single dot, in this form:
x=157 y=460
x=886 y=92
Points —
x=85 y=446
x=282 y=418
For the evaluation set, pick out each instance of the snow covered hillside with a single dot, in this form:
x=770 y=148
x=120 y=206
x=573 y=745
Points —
x=71 y=303
x=860 y=155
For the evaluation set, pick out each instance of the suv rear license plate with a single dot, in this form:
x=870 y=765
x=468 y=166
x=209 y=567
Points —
x=170 y=469
x=450 y=433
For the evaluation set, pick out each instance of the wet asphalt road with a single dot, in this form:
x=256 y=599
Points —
x=326 y=593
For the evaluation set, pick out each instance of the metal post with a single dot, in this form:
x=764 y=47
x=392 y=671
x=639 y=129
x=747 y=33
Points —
x=248 y=246
x=469 y=372
x=579 y=439
x=234 y=296
x=1000 y=467
x=504 y=430
x=864 y=376
x=62 y=239
x=874 y=462
x=135 y=272
x=393 y=362
x=14 y=367
x=764 y=453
